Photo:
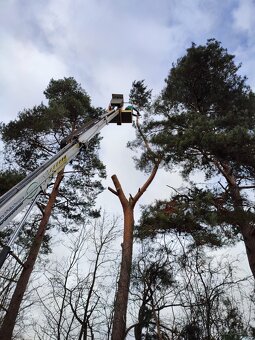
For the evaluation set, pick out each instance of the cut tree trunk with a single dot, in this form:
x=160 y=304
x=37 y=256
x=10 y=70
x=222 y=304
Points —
x=121 y=302
x=120 y=307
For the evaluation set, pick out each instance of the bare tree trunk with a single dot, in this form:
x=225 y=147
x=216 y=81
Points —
x=156 y=318
x=121 y=302
x=139 y=326
x=157 y=323
x=7 y=327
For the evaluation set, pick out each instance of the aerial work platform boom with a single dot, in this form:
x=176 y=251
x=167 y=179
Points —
x=25 y=192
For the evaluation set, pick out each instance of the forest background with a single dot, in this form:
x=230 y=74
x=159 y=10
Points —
x=54 y=39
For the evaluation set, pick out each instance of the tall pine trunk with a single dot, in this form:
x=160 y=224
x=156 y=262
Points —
x=246 y=227
x=9 y=321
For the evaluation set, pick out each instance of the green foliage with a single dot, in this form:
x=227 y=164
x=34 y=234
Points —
x=208 y=79
x=8 y=179
x=139 y=95
x=207 y=111
x=36 y=135
x=205 y=217
x=203 y=121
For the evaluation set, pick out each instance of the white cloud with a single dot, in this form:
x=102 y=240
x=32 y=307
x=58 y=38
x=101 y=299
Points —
x=244 y=18
x=244 y=26
x=106 y=44
x=25 y=72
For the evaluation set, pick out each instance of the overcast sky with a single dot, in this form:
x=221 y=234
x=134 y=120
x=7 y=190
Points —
x=105 y=45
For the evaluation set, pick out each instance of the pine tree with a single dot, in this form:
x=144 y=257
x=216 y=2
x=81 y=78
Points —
x=33 y=138
x=205 y=123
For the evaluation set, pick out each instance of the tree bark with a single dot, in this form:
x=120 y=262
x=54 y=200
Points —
x=7 y=327
x=246 y=228
x=121 y=302
x=157 y=321
x=120 y=307
x=141 y=315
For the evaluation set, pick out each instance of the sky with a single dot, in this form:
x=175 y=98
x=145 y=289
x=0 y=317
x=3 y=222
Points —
x=106 y=45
